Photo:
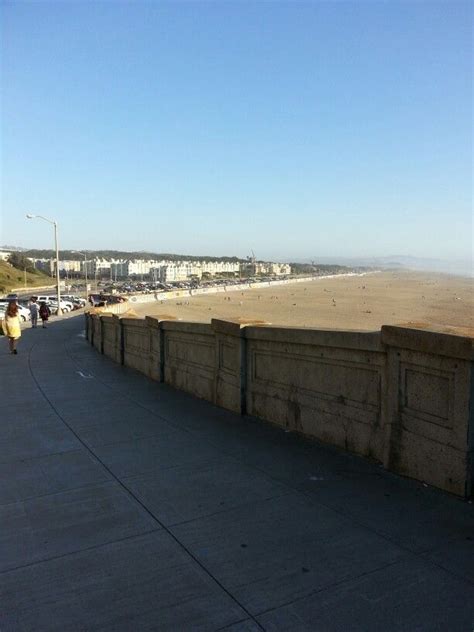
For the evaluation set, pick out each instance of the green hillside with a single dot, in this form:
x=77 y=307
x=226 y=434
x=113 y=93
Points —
x=13 y=278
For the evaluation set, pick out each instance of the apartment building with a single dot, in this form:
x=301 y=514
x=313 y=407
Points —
x=133 y=268
x=70 y=266
x=176 y=271
x=279 y=269
x=220 y=267
x=265 y=268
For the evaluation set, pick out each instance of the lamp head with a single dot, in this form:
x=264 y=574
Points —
x=30 y=216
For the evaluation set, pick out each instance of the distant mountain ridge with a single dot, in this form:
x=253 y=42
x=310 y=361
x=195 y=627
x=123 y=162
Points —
x=12 y=248
x=458 y=267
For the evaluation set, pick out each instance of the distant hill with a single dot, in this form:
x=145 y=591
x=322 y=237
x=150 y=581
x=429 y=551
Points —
x=12 y=248
x=459 y=267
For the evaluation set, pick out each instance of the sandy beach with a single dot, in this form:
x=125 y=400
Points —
x=358 y=303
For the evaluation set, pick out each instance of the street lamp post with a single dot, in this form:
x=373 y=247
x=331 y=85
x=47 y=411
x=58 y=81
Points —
x=55 y=224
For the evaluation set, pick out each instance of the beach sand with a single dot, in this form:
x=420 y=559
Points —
x=358 y=303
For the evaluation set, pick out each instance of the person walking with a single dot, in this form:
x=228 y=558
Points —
x=11 y=326
x=44 y=313
x=34 y=311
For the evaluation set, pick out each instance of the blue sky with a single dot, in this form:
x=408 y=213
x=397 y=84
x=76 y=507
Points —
x=296 y=129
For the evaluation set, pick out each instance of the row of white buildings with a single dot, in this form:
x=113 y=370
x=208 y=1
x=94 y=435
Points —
x=162 y=271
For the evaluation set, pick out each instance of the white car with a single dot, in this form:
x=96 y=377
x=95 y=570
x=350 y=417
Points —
x=52 y=302
x=65 y=306
x=76 y=301
x=23 y=312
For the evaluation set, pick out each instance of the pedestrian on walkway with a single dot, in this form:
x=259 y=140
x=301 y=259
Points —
x=44 y=313
x=33 y=311
x=11 y=326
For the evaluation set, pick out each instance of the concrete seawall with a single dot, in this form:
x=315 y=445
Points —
x=401 y=396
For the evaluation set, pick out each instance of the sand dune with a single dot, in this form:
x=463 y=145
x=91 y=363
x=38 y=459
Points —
x=362 y=303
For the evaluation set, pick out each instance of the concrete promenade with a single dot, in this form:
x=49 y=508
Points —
x=127 y=505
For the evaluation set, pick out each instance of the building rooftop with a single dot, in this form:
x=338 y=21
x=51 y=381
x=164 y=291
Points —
x=127 y=505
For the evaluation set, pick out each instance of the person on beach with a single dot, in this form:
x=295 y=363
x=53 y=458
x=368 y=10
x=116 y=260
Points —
x=33 y=311
x=11 y=326
x=44 y=313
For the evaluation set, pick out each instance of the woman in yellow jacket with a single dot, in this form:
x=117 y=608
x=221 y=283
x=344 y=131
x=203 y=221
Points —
x=11 y=326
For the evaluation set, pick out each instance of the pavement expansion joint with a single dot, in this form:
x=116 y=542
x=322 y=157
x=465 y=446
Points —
x=78 y=551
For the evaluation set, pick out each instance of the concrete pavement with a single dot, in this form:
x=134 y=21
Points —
x=126 y=505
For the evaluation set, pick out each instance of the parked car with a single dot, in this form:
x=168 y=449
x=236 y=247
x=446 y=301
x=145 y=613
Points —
x=23 y=312
x=66 y=306
x=76 y=301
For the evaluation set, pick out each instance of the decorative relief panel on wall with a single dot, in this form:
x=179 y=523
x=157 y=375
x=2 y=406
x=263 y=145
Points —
x=344 y=381
x=228 y=357
x=427 y=394
x=109 y=332
x=189 y=351
x=136 y=339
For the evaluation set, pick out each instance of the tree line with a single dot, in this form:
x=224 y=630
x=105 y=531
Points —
x=21 y=262
x=121 y=254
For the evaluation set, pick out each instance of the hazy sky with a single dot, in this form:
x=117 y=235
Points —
x=297 y=129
